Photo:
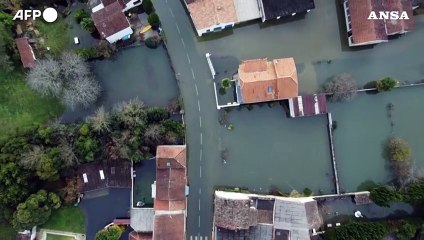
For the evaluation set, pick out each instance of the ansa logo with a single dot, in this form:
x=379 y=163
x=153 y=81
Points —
x=388 y=15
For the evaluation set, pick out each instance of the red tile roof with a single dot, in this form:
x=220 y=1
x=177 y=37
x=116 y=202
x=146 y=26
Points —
x=110 y=19
x=262 y=80
x=26 y=53
x=400 y=25
x=363 y=29
x=169 y=227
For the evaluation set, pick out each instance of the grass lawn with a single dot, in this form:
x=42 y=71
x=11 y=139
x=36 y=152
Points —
x=58 y=237
x=56 y=35
x=21 y=107
x=70 y=219
x=6 y=231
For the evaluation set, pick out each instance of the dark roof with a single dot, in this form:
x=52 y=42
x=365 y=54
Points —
x=110 y=19
x=364 y=30
x=116 y=174
x=25 y=51
x=308 y=104
x=282 y=8
x=169 y=226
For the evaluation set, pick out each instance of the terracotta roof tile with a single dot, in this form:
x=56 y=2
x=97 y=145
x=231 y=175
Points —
x=110 y=19
x=169 y=227
x=263 y=80
x=207 y=13
x=140 y=236
x=363 y=29
x=401 y=25
x=26 y=53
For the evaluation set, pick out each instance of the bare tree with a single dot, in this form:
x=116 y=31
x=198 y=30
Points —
x=83 y=91
x=67 y=154
x=45 y=77
x=30 y=159
x=100 y=120
x=342 y=87
x=131 y=113
x=69 y=79
x=153 y=133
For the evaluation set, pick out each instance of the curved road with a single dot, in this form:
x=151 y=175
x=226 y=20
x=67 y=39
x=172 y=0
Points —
x=196 y=87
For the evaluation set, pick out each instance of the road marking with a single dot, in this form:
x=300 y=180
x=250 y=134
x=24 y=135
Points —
x=182 y=40
x=200 y=191
x=178 y=28
x=200 y=169
x=199 y=206
x=199 y=222
x=188 y=58
x=192 y=73
x=197 y=91
x=171 y=12
x=201 y=138
x=200 y=121
x=198 y=104
x=195 y=238
x=201 y=154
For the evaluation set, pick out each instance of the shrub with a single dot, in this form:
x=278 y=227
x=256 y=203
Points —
x=151 y=42
x=226 y=83
x=382 y=196
x=414 y=194
x=358 y=230
x=173 y=126
x=386 y=84
x=399 y=150
x=87 y=148
x=148 y=6
x=88 y=25
x=80 y=14
x=156 y=115
x=307 y=192
x=153 y=19
x=111 y=233
x=87 y=53
x=406 y=231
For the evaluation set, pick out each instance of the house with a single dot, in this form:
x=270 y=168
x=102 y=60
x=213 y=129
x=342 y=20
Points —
x=264 y=217
x=212 y=15
x=271 y=9
x=363 y=31
x=216 y=15
x=112 y=23
x=97 y=5
x=261 y=80
x=97 y=176
x=26 y=52
x=167 y=218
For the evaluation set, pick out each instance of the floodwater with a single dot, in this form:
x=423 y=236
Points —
x=138 y=72
x=145 y=176
x=266 y=148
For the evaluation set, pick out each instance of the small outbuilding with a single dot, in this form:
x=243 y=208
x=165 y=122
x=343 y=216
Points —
x=26 y=53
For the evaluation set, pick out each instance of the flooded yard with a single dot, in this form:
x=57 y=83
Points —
x=138 y=72
x=145 y=176
x=363 y=127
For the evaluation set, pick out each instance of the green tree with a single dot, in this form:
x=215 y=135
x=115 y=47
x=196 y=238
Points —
x=386 y=84
x=156 y=115
x=399 y=150
x=148 y=6
x=383 y=196
x=36 y=210
x=111 y=233
x=153 y=19
x=406 y=231
x=414 y=193
x=357 y=230
x=151 y=42
x=87 y=53
x=88 y=25
x=81 y=14
x=226 y=83
x=6 y=44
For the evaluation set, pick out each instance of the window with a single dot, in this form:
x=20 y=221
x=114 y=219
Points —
x=269 y=89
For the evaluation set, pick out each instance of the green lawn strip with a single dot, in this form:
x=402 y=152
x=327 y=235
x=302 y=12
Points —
x=20 y=107
x=69 y=219
x=6 y=231
x=56 y=35
x=58 y=237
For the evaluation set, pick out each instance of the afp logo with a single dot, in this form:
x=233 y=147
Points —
x=49 y=15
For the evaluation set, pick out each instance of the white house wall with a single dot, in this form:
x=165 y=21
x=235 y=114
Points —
x=247 y=10
x=97 y=8
x=119 y=35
